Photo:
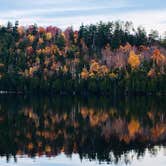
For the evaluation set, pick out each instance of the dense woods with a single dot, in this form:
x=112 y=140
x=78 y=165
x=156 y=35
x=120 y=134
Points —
x=106 y=58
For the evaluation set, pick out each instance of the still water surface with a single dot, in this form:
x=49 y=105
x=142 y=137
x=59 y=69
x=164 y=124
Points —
x=73 y=131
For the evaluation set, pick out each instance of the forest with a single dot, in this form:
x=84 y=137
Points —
x=102 y=59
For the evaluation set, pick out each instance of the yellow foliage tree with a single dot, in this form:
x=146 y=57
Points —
x=84 y=73
x=54 y=49
x=91 y=74
x=46 y=50
x=112 y=75
x=103 y=70
x=94 y=67
x=41 y=41
x=48 y=36
x=31 y=38
x=133 y=60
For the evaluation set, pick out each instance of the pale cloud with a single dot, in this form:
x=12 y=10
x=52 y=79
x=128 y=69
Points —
x=148 y=19
x=62 y=3
x=61 y=6
x=65 y=13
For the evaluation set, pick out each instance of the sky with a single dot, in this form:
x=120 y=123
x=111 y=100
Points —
x=150 y=14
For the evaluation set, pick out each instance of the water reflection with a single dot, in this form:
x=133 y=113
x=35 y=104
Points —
x=98 y=129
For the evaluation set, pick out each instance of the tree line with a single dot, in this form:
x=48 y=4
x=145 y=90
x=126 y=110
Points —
x=103 y=58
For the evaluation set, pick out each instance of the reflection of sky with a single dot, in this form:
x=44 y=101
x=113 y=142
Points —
x=62 y=13
x=148 y=160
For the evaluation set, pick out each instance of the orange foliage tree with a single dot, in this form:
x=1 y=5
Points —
x=133 y=60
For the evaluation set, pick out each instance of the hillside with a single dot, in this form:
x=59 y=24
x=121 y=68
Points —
x=106 y=58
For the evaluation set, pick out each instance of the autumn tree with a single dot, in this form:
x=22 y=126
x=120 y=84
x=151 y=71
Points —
x=133 y=60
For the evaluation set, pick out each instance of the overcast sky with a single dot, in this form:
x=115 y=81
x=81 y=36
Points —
x=63 y=13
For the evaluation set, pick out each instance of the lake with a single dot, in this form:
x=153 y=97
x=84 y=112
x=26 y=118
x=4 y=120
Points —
x=77 y=131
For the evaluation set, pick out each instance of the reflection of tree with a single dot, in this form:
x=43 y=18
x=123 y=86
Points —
x=106 y=129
